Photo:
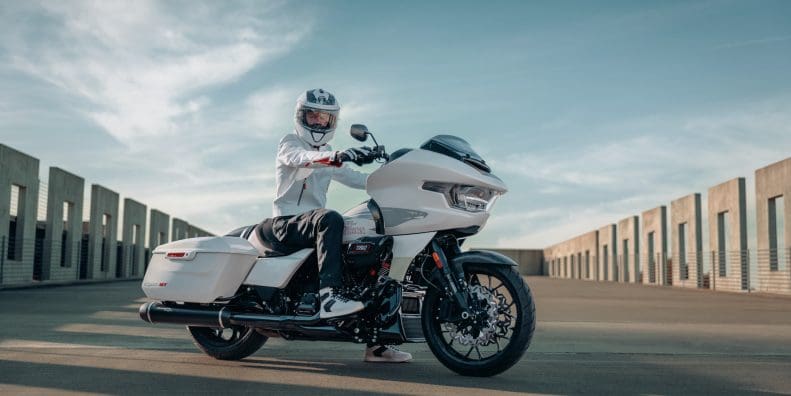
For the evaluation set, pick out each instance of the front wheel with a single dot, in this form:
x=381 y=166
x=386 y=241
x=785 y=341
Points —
x=233 y=343
x=495 y=335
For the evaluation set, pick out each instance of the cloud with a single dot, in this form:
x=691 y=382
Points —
x=143 y=69
x=162 y=79
x=581 y=188
x=269 y=110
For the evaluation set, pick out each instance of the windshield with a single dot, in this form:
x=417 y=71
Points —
x=458 y=148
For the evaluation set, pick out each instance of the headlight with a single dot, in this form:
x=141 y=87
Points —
x=469 y=198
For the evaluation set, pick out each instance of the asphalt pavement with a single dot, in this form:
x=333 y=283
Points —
x=591 y=338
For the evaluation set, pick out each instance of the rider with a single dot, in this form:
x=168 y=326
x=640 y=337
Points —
x=305 y=166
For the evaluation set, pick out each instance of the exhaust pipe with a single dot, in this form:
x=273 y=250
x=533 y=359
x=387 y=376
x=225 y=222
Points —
x=156 y=312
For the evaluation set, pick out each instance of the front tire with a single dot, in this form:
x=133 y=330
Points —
x=233 y=343
x=511 y=317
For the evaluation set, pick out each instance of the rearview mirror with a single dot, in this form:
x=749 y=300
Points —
x=359 y=132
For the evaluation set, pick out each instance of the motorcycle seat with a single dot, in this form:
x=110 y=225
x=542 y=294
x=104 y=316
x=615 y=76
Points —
x=264 y=240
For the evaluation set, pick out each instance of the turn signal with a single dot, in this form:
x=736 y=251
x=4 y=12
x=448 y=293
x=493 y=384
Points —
x=437 y=261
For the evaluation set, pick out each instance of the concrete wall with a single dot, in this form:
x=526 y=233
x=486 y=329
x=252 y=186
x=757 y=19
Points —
x=61 y=255
x=551 y=264
x=102 y=238
x=687 y=269
x=559 y=257
x=180 y=228
x=628 y=268
x=37 y=251
x=773 y=254
x=133 y=239
x=586 y=246
x=552 y=267
x=730 y=265
x=530 y=260
x=18 y=169
x=159 y=227
x=607 y=252
x=654 y=247
x=575 y=258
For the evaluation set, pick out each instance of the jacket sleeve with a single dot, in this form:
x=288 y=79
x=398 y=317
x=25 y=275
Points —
x=350 y=177
x=291 y=153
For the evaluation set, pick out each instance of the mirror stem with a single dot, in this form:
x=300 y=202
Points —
x=372 y=137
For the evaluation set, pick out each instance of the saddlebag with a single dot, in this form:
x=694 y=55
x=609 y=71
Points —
x=199 y=270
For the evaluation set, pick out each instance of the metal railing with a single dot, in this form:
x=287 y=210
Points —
x=690 y=269
x=730 y=270
x=773 y=270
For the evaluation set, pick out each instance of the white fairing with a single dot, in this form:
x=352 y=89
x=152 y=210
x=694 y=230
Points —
x=405 y=248
x=408 y=209
x=198 y=269
x=276 y=271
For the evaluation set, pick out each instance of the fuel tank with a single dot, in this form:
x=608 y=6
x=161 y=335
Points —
x=358 y=222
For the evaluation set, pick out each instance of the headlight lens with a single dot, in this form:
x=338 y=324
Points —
x=468 y=198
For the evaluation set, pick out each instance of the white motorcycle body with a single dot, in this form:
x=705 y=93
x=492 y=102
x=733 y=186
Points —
x=402 y=260
x=209 y=269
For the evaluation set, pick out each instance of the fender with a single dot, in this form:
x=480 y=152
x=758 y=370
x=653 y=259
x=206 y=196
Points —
x=481 y=257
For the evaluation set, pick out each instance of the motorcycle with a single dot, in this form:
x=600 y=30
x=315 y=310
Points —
x=402 y=258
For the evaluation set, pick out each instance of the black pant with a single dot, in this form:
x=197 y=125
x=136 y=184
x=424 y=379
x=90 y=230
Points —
x=321 y=229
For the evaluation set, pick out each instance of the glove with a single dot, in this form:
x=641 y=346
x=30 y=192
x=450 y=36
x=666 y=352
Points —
x=358 y=155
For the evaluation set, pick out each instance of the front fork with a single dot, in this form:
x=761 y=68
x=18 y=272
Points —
x=451 y=280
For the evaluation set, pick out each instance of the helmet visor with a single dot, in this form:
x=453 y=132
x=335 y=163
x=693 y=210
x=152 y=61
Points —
x=318 y=120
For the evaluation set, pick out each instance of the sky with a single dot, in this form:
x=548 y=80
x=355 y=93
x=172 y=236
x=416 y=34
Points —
x=589 y=111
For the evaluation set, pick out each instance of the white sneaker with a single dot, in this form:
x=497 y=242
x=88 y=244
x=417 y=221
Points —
x=333 y=305
x=386 y=354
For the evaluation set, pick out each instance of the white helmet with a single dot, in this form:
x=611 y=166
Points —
x=316 y=116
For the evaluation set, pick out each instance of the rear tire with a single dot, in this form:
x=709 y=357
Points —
x=521 y=313
x=233 y=343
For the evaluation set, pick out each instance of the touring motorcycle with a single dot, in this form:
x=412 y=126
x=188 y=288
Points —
x=402 y=258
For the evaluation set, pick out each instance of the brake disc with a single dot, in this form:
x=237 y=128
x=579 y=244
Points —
x=489 y=305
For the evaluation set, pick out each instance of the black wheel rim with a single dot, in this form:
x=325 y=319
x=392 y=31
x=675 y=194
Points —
x=502 y=321
x=222 y=337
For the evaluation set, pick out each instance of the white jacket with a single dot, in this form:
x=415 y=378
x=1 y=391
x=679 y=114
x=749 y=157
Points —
x=303 y=174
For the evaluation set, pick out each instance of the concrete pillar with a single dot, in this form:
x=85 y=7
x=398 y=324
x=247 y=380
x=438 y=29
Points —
x=728 y=236
x=573 y=264
x=628 y=268
x=102 y=233
x=180 y=228
x=19 y=173
x=654 y=246
x=686 y=224
x=562 y=261
x=555 y=267
x=586 y=246
x=773 y=219
x=63 y=238
x=132 y=242
x=607 y=251
x=158 y=233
